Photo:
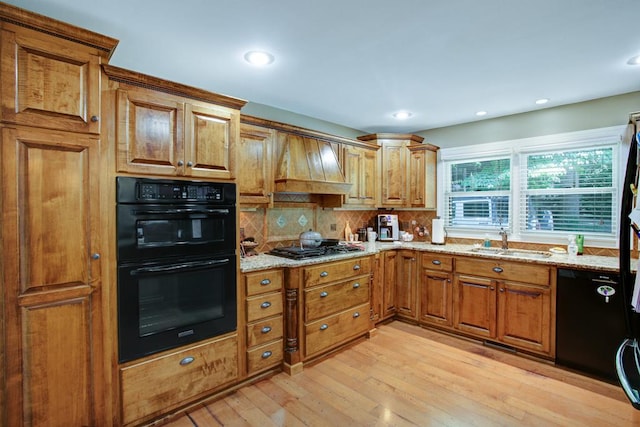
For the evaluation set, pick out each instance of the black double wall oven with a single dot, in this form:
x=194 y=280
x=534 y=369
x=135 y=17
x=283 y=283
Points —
x=176 y=263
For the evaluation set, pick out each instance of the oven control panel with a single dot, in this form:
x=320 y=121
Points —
x=147 y=190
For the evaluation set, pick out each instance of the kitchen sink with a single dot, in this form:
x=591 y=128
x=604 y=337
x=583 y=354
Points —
x=516 y=253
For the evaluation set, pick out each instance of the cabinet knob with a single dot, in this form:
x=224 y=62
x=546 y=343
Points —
x=189 y=164
x=356 y=315
x=266 y=329
x=267 y=354
x=187 y=360
x=356 y=267
x=498 y=269
x=436 y=262
x=180 y=163
x=501 y=289
x=265 y=282
x=265 y=304
x=324 y=326
x=324 y=274
x=323 y=294
x=95 y=118
x=491 y=288
x=95 y=256
x=356 y=285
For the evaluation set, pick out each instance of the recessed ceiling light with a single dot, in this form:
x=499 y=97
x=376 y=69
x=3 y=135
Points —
x=481 y=113
x=634 y=61
x=259 y=58
x=542 y=101
x=402 y=115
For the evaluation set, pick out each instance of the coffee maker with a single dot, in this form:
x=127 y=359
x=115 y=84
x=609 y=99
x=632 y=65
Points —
x=388 y=228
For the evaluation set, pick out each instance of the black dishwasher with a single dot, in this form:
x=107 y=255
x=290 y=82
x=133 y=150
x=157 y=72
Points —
x=590 y=322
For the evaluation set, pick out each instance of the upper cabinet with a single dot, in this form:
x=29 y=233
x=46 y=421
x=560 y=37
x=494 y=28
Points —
x=406 y=171
x=360 y=166
x=53 y=85
x=255 y=176
x=164 y=128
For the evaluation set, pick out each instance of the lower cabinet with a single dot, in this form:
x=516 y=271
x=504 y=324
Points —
x=156 y=386
x=507 y=302
x=436 y=290
x=264 y=320
x=406 y=284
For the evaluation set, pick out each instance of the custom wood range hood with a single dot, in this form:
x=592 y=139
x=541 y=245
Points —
x=308 y=165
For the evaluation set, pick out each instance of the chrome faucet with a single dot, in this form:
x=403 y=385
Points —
x=505 y=242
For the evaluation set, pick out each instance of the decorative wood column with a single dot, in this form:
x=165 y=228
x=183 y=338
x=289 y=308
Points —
x=292 y=357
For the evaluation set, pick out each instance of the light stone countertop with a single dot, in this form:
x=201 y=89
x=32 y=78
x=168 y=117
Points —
x=590 y=262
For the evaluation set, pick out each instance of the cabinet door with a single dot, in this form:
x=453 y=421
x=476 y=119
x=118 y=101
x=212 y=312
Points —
x=422 y=177
x=49 y=82
x=150 y=133
x=52 y=285
x=210 y=135
x=475 y=306
x=524 y=316
x=255 y=177
x=360 y=170
x=394 y=173
x=406 y=301
x=436 y=298
x=390 y=261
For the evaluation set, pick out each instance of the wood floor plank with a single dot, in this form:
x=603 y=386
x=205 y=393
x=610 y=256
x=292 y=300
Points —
x=409 y=376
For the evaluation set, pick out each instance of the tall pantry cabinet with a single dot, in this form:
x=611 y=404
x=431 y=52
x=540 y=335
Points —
x=55 y=366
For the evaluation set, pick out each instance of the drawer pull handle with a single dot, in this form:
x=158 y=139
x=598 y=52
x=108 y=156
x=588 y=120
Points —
x=356 y=315
x=356 y=285
x=267 y=354
x=324 y=274
x=498 y=269
x=436 y=262
x=324 y=326
x=323 y=294
x=265 y=304
x=265 y=282
x=356 y=267
x=187 y=360
x=266 y=329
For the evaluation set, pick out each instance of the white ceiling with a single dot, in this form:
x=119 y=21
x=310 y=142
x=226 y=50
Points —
x=355 y=62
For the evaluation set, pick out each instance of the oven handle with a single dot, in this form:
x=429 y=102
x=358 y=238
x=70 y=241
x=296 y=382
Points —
x=183 y=211
x=177 y=267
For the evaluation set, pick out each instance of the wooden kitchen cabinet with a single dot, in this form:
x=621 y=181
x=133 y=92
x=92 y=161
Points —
x=406 y=285
x=406 y=169
x=360 y=168
x=422 y=176
x=178 y=378
x=436 y=290
x=389 y=279
x=507 y=302
x=255 y=174
x=327 y=305
x=163 y=128
x=55 y=360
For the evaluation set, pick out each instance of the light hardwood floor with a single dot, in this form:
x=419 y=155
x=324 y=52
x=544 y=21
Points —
x=409 y=376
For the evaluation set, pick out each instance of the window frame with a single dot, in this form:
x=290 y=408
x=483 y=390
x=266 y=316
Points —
x=614 y=136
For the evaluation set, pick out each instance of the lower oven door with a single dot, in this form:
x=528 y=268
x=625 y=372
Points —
x=163 y=305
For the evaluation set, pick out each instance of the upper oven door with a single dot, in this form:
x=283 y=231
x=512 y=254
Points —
x=150 y=231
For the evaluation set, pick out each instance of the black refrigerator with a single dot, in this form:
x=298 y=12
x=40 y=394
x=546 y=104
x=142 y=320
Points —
x=628 y=355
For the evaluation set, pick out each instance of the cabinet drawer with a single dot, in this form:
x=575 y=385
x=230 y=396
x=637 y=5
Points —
x=501 y=270
x=331 y=331
x=262 y=282
x=264 y=356
x=263 y=306
x=158 y=385
x=331 y=272
x=437 y=262
x=322 y=301
x=264 y=331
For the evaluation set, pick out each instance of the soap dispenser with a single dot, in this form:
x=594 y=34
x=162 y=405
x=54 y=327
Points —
x=572 y=247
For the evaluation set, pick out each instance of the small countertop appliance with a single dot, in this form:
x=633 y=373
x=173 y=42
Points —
x=388 y=227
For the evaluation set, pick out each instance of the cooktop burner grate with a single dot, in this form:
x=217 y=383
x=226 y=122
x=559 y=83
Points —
x=296 y=252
